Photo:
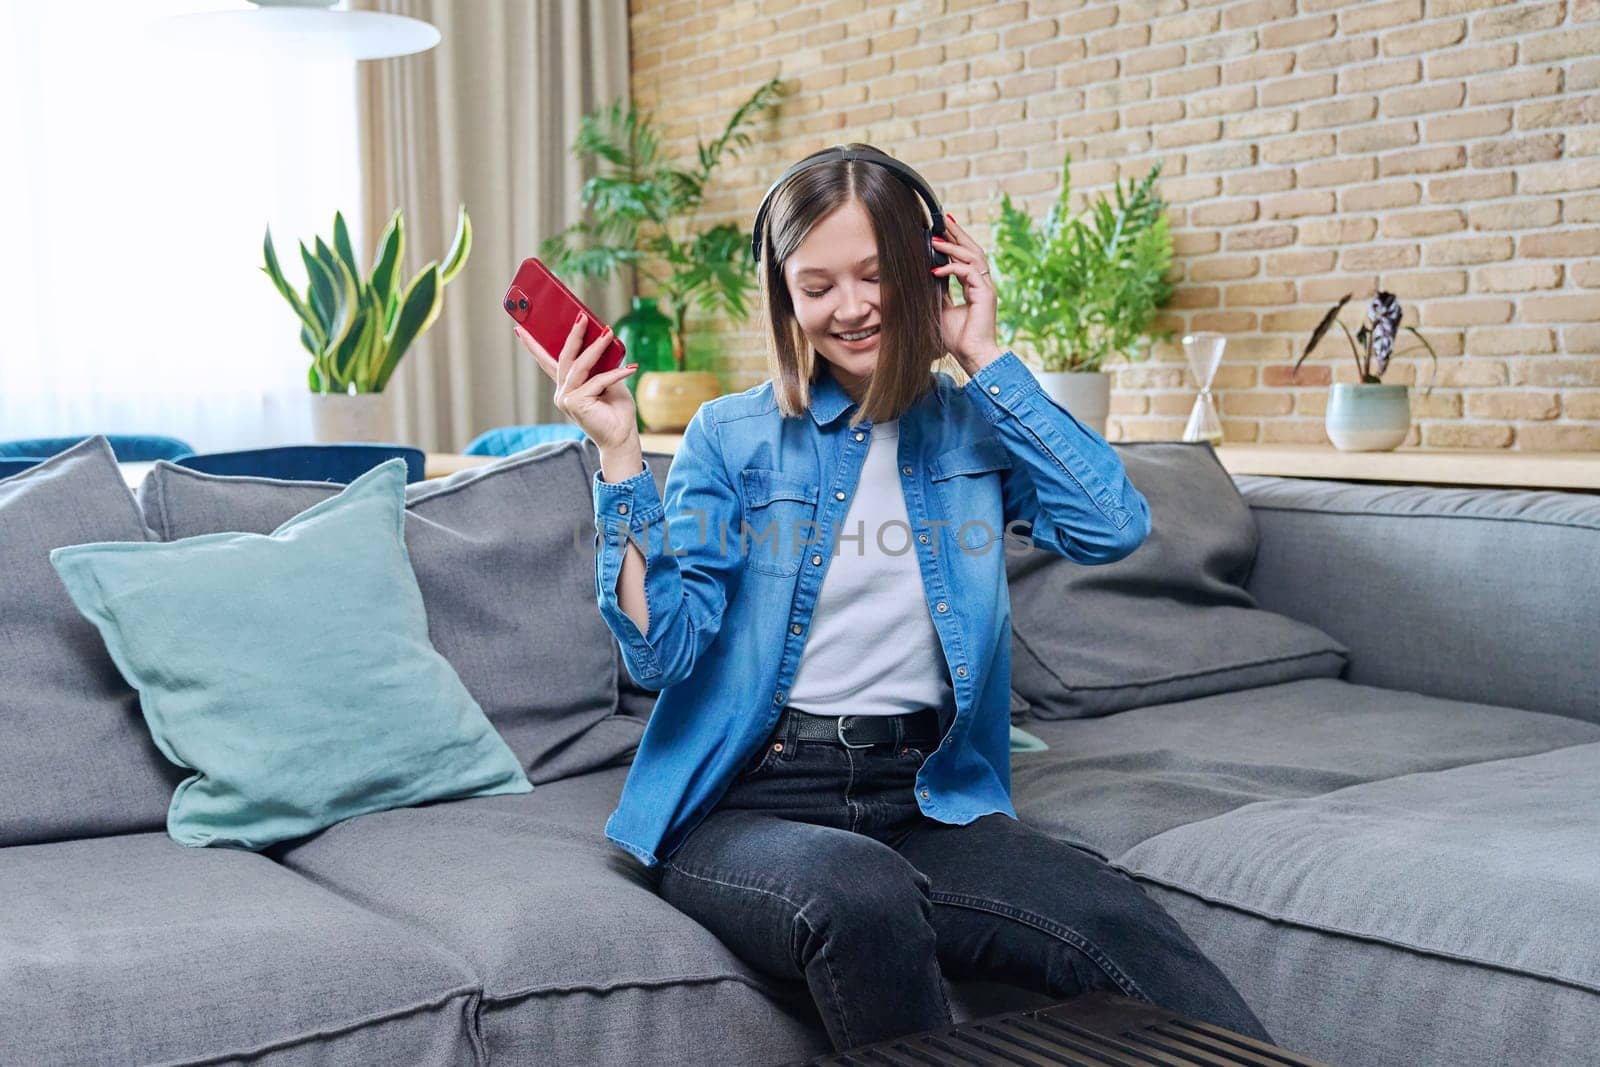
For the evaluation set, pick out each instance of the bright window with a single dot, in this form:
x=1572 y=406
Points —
x=135 y=185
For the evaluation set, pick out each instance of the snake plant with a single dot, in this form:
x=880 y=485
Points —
x=356 y=328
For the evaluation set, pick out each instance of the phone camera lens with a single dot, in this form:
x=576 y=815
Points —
x=522 y=305
x=510 y=305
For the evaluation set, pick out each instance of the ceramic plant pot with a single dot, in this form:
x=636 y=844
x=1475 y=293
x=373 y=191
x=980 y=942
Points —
x=1087 y=394
x=1368 y=417
x=668 y=399
x=366 y=417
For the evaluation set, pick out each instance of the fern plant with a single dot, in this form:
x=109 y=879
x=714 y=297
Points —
x=1079 y=290
x=356 y=328
x=641 y=214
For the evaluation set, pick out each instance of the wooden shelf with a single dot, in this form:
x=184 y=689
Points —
x=1531 y=470
x=1573 y=471
x=1528 y=470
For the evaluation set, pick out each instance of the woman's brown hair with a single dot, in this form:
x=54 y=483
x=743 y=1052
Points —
x=909 y=297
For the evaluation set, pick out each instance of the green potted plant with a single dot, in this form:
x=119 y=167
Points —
x=641 y=213
x=1077 y=290
x=357 y=326
x=1368 y=415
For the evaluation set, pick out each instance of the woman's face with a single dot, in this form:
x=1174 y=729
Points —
x=833 y=284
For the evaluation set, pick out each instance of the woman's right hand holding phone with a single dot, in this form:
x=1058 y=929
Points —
x=601 y=403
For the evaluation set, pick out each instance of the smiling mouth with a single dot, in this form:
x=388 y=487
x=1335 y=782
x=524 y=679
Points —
x=859 y=335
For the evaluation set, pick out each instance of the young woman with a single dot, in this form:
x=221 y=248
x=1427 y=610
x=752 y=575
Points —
x=822 y=603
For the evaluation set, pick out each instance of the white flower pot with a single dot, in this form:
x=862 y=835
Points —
x=366 y=417
x=1367 y=417
x=1087 y=394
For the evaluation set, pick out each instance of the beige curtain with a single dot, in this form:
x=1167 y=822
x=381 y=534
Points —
x=487 y=119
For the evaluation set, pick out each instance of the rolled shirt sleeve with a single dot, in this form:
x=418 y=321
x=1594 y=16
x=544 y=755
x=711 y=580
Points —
x=1065 y=480
x=690 y=566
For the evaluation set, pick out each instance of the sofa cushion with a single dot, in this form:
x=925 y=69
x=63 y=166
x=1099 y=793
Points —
x=504 y=555
x=1306 y=985
x=1108 y=784
x=134 y=949
x=1492 y=864
x=75 y=757
x=581 y=961
x=552 y=920
x=292 y=671
x=1171 y=621
x=1474 y=594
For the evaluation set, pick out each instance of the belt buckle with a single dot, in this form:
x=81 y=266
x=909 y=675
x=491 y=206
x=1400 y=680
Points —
x=838 y=728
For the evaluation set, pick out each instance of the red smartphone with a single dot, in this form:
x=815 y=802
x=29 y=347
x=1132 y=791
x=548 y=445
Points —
x=546 y=308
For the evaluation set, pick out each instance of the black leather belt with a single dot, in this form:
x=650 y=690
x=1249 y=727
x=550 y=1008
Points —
x=860 y=731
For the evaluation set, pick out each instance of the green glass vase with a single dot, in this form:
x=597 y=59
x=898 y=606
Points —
x=647 y=335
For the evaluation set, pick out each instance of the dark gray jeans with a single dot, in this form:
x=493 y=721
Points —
x=817 y=865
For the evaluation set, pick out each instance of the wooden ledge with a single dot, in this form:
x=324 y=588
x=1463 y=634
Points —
x=1573 y=471
x=1435 y=466
x=1528 y=470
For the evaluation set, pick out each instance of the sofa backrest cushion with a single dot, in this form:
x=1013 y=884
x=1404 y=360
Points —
x=504 y=556
x=1489 y=595
x=75 y=757
x=1171 y=621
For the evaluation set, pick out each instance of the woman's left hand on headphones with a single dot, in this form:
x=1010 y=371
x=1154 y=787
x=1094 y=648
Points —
x=969 y=332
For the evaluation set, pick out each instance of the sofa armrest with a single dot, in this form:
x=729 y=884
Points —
x=1472 y=594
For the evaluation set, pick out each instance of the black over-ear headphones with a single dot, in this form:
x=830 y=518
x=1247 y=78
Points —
x=910 y=178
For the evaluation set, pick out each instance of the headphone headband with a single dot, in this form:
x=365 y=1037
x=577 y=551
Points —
x=843 y=153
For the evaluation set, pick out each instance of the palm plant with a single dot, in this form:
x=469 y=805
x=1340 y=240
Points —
x=642 y=214
x=1081 y=289
x=356 y=328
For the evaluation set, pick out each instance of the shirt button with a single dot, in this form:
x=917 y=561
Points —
x=778 y=698
x=994 y=388
x=941 y=606
x=905 y=470
x=816 y=561
x=924 y=794
x=961 y=672
x=795 y=628
x=923 y=538
x=622 y=509
x=861 y=437
x=839 y=495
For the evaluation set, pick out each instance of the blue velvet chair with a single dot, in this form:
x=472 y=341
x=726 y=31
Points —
x=128 y=447
x=506 y=440
x=10 y=465
x=342 y=463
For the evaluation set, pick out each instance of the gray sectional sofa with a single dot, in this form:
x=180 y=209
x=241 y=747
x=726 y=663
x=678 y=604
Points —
x=1349 y=735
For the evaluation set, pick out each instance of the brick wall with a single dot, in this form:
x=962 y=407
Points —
x=1446 y=150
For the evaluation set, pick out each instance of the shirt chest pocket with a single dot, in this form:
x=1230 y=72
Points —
x=778 y=520
x=967 y=480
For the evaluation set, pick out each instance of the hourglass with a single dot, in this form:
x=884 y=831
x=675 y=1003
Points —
x=1204 y=353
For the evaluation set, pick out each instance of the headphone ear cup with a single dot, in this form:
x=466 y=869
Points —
x=937 y=258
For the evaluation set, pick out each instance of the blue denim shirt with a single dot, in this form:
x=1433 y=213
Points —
x=733 y=566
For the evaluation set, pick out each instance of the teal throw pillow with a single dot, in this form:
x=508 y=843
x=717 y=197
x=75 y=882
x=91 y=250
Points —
x=292 y=672
x=1023 y=741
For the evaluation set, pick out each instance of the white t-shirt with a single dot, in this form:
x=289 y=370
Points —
x=873 y=648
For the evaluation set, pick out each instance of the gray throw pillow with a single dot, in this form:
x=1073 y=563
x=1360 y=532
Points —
x=504 y=556
x=75 y=757
x=1172 y=621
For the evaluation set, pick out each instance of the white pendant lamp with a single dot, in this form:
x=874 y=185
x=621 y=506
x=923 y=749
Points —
x=299 y=29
